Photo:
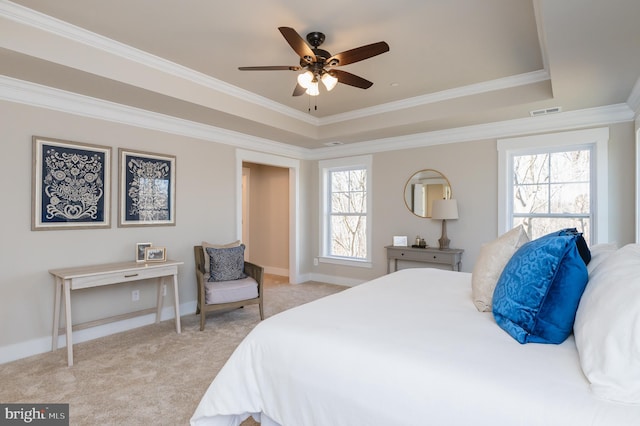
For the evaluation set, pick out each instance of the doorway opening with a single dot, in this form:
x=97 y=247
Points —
x=267 y=211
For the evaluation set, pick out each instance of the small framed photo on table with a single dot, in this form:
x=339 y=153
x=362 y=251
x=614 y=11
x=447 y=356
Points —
x=155 y=254
x=140 y=247
x=400 y=241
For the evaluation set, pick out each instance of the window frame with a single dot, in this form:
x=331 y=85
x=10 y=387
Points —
x=595 y=139
x=343 y=164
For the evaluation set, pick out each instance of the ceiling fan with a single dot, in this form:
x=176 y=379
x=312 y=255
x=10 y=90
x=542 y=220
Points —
x=320 y=64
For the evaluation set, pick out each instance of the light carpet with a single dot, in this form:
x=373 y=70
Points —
x=149 y=375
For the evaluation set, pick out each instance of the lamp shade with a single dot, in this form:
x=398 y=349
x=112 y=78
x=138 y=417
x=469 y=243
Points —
x=305 y=79
x=444 y=209
x=329 y=81
x=313 y=89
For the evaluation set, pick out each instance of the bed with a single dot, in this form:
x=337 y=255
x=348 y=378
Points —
x=403 y=349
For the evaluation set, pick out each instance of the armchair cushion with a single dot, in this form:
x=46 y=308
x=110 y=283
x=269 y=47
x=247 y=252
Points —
x=230 y=291
x=226 y=264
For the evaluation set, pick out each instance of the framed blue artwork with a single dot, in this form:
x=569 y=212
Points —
x=71 y=185
x=147 y=189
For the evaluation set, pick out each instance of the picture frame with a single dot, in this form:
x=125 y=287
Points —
x=400 y=241
x=155 y=254
x=71 y=185
x=147 y=184
x=140 y=248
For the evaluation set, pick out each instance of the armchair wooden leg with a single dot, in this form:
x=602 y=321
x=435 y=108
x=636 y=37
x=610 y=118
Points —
x=261 y=311
x=202 y=318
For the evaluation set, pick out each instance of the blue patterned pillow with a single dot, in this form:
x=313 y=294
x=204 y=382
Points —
x=581 y=244
x=226 y=264
x=537 y=295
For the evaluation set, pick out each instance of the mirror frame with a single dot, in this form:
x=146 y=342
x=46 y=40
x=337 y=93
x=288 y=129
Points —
x=425 y=174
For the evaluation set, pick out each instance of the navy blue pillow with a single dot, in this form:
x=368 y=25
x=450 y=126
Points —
x=226 y=264
x=538 y=292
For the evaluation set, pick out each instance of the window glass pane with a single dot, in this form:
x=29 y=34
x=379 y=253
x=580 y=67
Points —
x=339 y=181
x=570 y=166
x=540 y=226
x=530 y=199
x=358 y=202
x=531 y=168
x=340 y=202
x=569 y=198
x=348 y=236
x=358 y=180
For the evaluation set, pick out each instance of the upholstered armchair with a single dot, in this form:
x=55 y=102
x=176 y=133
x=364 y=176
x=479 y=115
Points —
x=230 y=285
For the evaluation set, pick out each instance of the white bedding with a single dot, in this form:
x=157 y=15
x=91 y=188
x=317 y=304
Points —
x=405 y=349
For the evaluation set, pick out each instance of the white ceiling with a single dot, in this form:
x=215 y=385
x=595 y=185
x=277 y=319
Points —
x=451 y=64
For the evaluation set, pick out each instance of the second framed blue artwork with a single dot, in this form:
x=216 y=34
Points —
x=147 y=189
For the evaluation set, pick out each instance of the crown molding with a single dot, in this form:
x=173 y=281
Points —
x=23 y=92
x=444 y=95
x=571 y=120
x=634 y=98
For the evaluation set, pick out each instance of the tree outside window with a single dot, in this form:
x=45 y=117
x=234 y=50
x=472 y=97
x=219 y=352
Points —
x=348 y=211
x=552 y=191
x=346 y=206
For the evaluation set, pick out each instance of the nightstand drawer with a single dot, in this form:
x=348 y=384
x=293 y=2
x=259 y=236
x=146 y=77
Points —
x=407 y=255
x=441 y=257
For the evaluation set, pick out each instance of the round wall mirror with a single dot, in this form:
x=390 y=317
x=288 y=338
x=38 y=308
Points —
x=424 y=187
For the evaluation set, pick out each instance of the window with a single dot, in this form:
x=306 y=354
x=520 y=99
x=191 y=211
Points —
x=555 y=181
x=346 y=211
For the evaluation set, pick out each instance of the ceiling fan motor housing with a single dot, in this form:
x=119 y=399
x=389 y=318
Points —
x=315 y=38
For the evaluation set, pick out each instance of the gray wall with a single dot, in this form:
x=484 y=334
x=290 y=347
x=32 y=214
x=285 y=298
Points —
x=471 y=168
x=206 y=203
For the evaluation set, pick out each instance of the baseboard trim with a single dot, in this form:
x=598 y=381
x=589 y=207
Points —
x=41 y=345
x=331 y=279
x=273 y=270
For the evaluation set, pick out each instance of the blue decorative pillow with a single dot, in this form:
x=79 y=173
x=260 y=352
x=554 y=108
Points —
x=581 y=244
x=226 y=264
x=537 y=295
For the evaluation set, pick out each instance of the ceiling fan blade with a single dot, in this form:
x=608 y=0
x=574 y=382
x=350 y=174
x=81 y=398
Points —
x=358 y=54
x=351 y=79
x=298 y=44
x=270 y=68
x=299 y=90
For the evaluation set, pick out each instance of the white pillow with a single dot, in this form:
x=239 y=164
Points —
x=600 y=252
x=207 y=260
x=492 y=259
x=607 y=327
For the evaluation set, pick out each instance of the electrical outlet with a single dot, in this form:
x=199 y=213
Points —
x=164 y=289
x=135 y=295
x=315 y=261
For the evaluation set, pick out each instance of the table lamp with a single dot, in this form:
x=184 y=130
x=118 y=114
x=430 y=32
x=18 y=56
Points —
x=443 y=210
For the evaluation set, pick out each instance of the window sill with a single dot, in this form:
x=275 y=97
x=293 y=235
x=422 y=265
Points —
x=346 y=262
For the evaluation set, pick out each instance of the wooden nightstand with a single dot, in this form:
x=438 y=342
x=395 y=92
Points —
x=451 y=257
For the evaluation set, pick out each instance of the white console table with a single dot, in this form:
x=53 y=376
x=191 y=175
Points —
x=69 y=279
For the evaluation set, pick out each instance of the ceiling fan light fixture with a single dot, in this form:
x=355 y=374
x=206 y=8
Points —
x=305 y=79
x=313 y=89
x=329 y=81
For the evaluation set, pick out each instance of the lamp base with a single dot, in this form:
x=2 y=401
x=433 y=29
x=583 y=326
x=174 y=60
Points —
x=444 y=241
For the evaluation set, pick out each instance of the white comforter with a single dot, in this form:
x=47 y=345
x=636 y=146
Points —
x=408 y=348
